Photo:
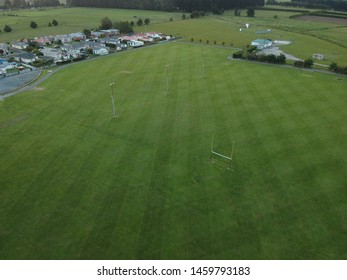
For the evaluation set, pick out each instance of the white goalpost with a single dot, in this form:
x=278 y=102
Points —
x=229 y=159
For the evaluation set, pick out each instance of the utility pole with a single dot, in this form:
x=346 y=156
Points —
x=203 y=65
x=167 y=79
x=112 y=98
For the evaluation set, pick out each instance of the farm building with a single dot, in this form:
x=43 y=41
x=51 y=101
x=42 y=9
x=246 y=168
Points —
x=318 y=56
x=262 y=43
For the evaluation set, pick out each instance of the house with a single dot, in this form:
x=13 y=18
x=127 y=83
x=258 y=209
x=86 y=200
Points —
x=19 y=45
x=3 y=49
x=62 y=38
x=25 y=57
x=44 y=40
x=96 y=34
x=135 y=43
x=3 y=61
x=56 y=55
x=100 y=51
x=261 y=43
x=110 y=32
x=75 y=48
x=110 y=42
x=121 y=47
x=79 y=36
x=318 y=56
x=5 y=65
x=153 y=35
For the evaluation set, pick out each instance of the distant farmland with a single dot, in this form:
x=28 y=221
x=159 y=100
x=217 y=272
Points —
x=79 y=184
x=307 y=37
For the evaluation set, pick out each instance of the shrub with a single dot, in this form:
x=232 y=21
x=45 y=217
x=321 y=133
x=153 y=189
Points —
x=139 y=22
x=7 y=28
x=33 y=25
x=237 y=54
x=197 y=14
x=308 y=63
x=333 y=66
x=299 y=63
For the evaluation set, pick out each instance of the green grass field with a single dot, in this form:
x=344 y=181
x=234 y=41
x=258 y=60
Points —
x=79 y=184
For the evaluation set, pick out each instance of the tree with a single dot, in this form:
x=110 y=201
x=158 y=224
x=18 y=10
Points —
x=250 y=12
x=124 y=27
x=7 y=28
x=19 y=3
x=33 y=25
x=147 y=21
x=333 y=66
x=139 y=22
x=184 y=17
x=7 y=4
x=106 y=23
x=237 y=13
x=54 y=22
x=308 y=63
x=87 y=32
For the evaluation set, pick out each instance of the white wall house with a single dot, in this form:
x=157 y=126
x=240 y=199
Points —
x=100 y=51
x=19 y=45
x=135 y=44
x=25 y=57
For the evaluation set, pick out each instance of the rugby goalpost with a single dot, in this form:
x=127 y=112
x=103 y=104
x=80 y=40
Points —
x=229 y=159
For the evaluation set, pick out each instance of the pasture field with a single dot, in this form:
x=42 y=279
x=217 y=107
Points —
x=70 y=20
x=79 y=184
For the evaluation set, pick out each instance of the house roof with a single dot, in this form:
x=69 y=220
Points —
x=3 y=61
x=261 y=42
x=26 y=55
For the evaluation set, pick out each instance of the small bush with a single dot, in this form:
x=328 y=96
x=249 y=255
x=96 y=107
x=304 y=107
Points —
x=7 y=28
x=33 y=25
x=237 y=54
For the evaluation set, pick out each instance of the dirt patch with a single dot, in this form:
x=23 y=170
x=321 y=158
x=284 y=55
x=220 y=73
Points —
x=323 y=19
x=125 y=72
x=39 y=89
x=14 y=121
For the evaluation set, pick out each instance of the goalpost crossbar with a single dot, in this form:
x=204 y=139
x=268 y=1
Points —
x=223 y=156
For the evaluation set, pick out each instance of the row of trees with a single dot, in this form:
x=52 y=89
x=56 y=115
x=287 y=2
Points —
x=338 y=5
x=8 y=4
x=33 y=25
x=338 y=69
x=251 y=55
x=169 y=5
x=124 y=27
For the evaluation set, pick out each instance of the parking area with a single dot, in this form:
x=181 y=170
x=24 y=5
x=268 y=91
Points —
x=8 y=84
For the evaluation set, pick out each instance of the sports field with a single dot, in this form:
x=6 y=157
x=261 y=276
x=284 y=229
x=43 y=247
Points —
x=79 y=184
